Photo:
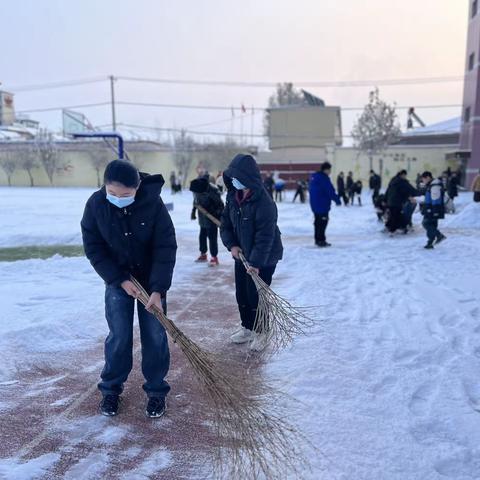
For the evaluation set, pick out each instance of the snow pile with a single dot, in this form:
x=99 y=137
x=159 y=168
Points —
x=469 y=217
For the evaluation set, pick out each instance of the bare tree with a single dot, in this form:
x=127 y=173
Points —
x=29 y=160
x=8 y=163
x=48 y=153
x=183 y=154
x=285 y=94
x=99 y=160
x=376 y=128
x=219 y=155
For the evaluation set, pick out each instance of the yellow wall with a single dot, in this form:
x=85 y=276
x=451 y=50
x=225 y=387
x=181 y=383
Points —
x=77 y=170
x=414 y=159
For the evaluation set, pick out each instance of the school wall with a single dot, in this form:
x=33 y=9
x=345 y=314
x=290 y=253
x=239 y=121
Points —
x=75 y=167
x=295 y=163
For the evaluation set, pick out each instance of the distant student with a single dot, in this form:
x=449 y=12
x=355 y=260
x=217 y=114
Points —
x=350 y=187
x=375 y=184
x=433 y=209
x=341 y=188
x=207 y=196
x=476 y=188
x=322 y=194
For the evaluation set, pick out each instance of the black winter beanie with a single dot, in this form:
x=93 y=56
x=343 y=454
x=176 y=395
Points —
x=122 y=172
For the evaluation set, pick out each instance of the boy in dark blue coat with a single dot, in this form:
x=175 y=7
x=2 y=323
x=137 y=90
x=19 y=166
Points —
x=249 y=225
x=127 y=231
x=322 y=194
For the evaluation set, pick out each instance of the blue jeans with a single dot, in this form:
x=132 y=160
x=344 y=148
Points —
x=119 y=310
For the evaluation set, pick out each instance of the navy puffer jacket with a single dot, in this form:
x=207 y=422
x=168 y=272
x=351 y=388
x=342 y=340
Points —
x=322 y=193
x=137 y=240
x=251 y=224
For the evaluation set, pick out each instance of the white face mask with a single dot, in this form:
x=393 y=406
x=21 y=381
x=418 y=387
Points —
x=238 y=184
x=120 y=202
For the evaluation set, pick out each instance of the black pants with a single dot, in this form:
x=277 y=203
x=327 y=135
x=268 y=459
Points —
x=376 y=193
x=476 y=196
x=396 y=220
x=343 y=196
x=301 y=194
x=431 y=226
x=212 y=234
x=321 y=222
x=246 y=292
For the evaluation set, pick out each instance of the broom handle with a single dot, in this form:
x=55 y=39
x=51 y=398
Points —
x=217 y=222
x=213 y=219
x=244 y=260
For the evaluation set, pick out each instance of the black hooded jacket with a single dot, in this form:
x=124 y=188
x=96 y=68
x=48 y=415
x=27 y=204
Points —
x=207 y=196
x=251 y=224
x=399 y=191
x=137 y=240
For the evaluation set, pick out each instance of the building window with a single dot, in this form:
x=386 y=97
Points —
x=474 y=8
x=471 y=61
x=466 y=117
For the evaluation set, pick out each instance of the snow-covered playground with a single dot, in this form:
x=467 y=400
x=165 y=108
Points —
x=386 y=384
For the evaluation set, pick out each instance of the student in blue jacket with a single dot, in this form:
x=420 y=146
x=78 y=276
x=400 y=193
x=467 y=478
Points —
x=322 y=193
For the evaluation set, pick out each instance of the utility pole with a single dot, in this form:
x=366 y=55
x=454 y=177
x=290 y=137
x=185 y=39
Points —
x=112 y=94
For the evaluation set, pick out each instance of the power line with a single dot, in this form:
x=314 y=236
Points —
x=225 y=134
x=225 y=120
x=236 y=83
x=324 y=84
x=211 y=107
x=69 y=107
x=52 y=85
x=257 y=135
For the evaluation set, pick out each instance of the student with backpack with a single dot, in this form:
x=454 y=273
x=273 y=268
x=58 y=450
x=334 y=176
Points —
x=433 y=209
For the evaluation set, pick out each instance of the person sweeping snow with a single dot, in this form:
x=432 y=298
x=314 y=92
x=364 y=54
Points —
x=127 y=232
x=207 y=196
x=249 y=226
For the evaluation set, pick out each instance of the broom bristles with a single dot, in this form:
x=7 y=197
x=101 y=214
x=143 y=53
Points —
x=276 y=317
x=253 y=443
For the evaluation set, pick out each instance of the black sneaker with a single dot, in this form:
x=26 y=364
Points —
x=323 y=244
x=440 y=238
x=109 y=405
x=156 y=407
x=428 y=246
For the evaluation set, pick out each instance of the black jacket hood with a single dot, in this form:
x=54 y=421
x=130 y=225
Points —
x=245 y=169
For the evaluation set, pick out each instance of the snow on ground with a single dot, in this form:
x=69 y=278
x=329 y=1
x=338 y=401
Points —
x=386 y=384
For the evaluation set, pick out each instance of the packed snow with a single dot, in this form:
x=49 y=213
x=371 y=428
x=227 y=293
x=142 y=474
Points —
x=386 y=384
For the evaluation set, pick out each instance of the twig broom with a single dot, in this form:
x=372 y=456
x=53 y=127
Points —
x=253 y=443
x=276 y=317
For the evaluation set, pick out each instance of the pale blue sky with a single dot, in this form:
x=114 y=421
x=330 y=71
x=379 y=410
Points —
x=267 y=40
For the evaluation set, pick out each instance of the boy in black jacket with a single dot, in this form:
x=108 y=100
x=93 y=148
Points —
x=208 y=196
x=127 y=231
x=249 y=225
